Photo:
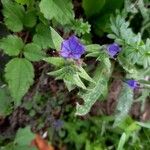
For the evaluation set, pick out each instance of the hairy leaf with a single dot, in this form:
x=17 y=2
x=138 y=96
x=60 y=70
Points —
x=29 y=19
x=56 y=61
x=33 y=52
x=5 y=102
x=56 y=38
x=59 y=10
x=19 y=74
x=13 y=14
x=12 y=45
x=43 y=36
x=94 y=91
x=124 y=104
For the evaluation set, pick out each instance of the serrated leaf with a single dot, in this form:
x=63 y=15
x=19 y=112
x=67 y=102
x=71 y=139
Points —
x=56 y=61
x=59 y=10
x=24 y=137
x=94 y=91
x=29 y=19
x=91 y=96
x=13 y=15
x=12 y=45
x=127 y=66
x=33 y=52
x=5 y=102
x=69 y=74
x=125 y=101
x=19 y=74
x=80 y=27
x=43 y=36
x=56 y=38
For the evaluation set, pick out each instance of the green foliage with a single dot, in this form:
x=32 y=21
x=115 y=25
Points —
x=22 y=1
x=34 y=35
x=99 y=13
x=43 y=36
x=13 y=11
x=24 y=137
x=59 y=10
x=33 y=52
x=12 y=45
x=56 y=61
x=94 y=91
x=133 y=48
x=122 y=142
x=69 y=74
x=56 y=39
x=80 y=27
x=125 y=101
x=29 y=19
x=22 y=140
x=19 y=74
x=91 y=8
x=5 y=100
x=47 y=37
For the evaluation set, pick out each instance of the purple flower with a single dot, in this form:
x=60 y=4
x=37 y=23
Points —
x=113 y=49
x=132 y=84
x=57 y=124
x=72 y=48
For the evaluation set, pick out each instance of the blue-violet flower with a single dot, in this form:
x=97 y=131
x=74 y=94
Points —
x=132 y=84
x=72 y=48
x=58 y=124
x=113 y=49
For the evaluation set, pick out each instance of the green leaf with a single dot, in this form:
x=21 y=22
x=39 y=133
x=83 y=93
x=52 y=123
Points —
x=43 y=37
x=33 y=52
x=12 y=45
x=94 y=91
x=56 y=61
x=93 y=48
x=77 y=81
x=124 y=104
x=91 y=96
x=122 y=141
x=13 y=15
x=56 y=38
x=18 y=147
x=91 y=8
x=5 y=102
x=23 y=1
x=83 y=74
x=24 y=137
x=29 y=19
x=145 y=58
x=12 y=146
x=80 y=27
x=127 y=66
x=19 y=74
x=69 y=74
x=59 y=10
x=144 y=124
